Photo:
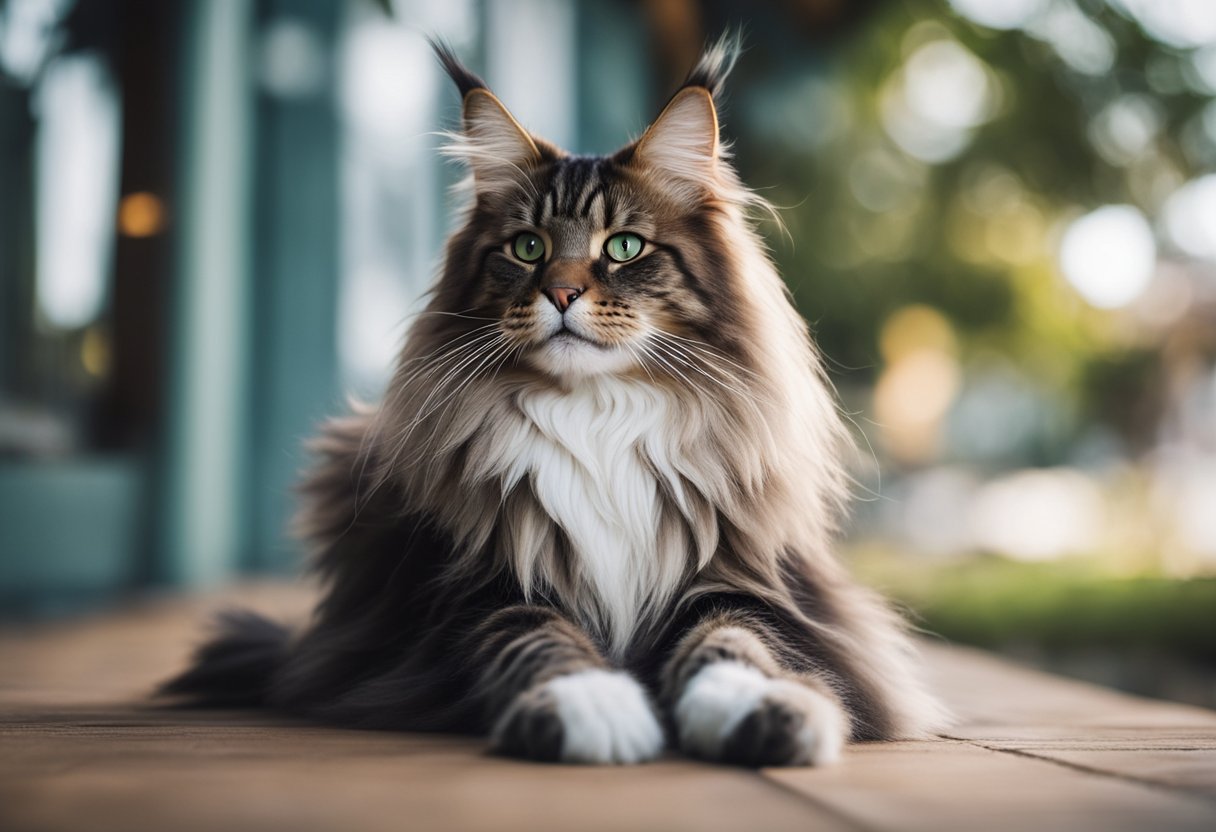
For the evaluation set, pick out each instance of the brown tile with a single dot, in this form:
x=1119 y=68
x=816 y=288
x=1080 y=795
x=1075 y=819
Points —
x=935 y=786
x=1193 y=769
x=208 y=778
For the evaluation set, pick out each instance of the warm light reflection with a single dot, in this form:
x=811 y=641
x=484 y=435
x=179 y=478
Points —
x=95 y=352
x=913 y=328
x=996 y=221
x=918 y=385
x=141 y=214
x=1015 y=236
x=910 y=401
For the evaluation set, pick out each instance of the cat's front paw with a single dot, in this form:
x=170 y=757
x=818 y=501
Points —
x=733 y=713
x=594 y=716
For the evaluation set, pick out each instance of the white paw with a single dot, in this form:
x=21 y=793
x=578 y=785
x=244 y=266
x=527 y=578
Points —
x=607 y=718
x=732 y=712
x=594 y=716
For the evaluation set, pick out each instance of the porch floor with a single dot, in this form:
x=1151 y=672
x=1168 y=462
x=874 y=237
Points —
x=81 y=749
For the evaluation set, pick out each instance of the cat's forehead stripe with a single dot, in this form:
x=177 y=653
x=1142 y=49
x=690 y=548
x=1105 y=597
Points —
x=595 y=193
x=578 y=174
x=577 y=189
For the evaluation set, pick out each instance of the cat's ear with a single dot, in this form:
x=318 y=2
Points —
x=494 y=138
x=491 y=142
x=682 y=145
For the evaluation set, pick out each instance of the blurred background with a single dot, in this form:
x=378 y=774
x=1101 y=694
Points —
x=216 y=218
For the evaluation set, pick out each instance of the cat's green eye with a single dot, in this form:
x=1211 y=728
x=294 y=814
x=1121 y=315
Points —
x=528 y=247
x=623 y=246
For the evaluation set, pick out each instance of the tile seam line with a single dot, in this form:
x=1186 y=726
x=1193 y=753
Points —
x=819 y=804
x=1206 y=798
x=1014 y=744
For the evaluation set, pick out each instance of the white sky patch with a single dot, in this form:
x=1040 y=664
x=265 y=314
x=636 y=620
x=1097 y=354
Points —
x=932 y=104
x=1125 y=128
x=1109 y=255
x=28 y=34
x=373 y=305
x=1190 y=218
x=388 y=78
x=947 y=85
x=77 y=188
x=1203 y=62
x=292 y=62
x=1080 y=42
x=1179 y=23
x=999 y=14
x=1039 y=514
x=535 y=76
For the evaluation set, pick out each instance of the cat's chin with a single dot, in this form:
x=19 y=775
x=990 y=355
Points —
x=569 y=356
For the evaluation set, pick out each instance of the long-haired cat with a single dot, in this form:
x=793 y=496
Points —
x=593 y=513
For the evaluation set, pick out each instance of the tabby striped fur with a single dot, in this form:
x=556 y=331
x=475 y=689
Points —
x=578 y=530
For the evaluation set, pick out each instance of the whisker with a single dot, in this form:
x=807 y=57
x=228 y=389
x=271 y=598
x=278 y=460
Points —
x=489 y=354
x=432 y=363
x=639 y=359
x=461 y=315
x=674 y=370
x=495 y=357
x=704 y=358
x=447 y=361
x=451 y=373
x=436 y=359
x=684 y=358
x=707 y=348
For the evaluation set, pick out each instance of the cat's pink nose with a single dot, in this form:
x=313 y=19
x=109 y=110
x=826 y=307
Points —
x=562 y=296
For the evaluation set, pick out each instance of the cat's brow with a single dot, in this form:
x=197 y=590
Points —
x=573 y=191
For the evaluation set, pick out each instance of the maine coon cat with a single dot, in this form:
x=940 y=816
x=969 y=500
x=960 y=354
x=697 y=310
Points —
x=593 y=514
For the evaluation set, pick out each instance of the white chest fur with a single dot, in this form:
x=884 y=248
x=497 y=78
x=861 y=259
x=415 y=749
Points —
x=598 y=459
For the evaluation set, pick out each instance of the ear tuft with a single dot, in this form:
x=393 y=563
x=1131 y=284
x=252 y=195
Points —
x=491 y=142
x=716 y=63
x=464 y=78
x=682 y=144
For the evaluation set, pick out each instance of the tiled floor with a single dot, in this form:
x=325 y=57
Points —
x=81 y=749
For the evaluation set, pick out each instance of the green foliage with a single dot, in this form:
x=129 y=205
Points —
x=993 y=602
x=928 y=235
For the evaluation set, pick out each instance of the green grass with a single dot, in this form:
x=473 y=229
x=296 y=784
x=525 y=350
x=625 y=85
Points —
x=992 y=602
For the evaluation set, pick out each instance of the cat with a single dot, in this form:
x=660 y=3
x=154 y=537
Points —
x=593 y=515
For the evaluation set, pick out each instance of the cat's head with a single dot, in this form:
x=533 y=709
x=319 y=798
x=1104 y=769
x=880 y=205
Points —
x=581 y=265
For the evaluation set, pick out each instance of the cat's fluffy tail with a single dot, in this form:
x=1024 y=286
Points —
x=235 y=667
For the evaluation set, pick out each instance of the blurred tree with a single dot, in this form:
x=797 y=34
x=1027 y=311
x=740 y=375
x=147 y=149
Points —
x=921 y=158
